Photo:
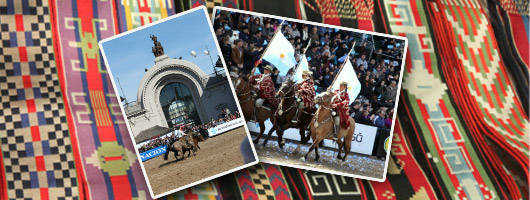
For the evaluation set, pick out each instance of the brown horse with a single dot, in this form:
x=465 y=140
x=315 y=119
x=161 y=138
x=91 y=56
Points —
x=282 y=119
x=196 y=137
x=192 y=141
x=247 y=100
x=322 y=127
x=181 y=145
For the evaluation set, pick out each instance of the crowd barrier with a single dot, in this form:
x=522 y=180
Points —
x=224 y=127
x=153 y=153
x=219 y=129
x=364 y=137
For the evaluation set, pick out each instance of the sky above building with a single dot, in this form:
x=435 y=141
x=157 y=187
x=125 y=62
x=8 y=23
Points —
x=129 y=55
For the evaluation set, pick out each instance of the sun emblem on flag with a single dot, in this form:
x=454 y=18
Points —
x=282 y=55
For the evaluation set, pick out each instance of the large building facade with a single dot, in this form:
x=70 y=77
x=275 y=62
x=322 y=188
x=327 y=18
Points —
x=174 y=92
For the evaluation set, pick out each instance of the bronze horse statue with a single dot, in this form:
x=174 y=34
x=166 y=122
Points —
x=322 y=127
x=247 y=100
x=286 y=112
x=182 y=145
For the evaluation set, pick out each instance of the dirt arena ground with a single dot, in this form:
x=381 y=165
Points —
x=292 y=154
x=217 y=155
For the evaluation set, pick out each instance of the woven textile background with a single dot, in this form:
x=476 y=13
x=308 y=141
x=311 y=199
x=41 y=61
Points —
x=62 y=135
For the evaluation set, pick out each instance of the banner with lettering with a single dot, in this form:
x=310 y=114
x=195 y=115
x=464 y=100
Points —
x=224 y=127
x=153 y=153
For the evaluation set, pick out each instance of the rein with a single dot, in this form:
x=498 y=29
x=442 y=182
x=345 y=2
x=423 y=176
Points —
x=325 y=120
x=284 y=97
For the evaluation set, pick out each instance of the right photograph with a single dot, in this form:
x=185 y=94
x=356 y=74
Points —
x=315 y=96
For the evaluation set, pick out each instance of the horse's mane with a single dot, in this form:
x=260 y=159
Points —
x=322 y=95
x=289 y=84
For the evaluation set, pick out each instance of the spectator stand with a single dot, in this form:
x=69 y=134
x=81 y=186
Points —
x=375 y=60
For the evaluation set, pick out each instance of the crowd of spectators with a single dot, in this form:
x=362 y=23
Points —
x=376 y=59
x=166 y=138
x=377 y=63
x=243 y=38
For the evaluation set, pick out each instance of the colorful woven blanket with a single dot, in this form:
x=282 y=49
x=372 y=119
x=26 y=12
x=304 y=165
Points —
x=462 y=130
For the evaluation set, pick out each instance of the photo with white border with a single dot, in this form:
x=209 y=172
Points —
x=299 y=82
x=178 y=101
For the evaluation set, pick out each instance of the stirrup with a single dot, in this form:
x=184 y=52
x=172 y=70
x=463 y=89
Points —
x=265 y=107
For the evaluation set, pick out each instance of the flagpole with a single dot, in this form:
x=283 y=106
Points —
x=308 y=44
x=305 y=50
x=342 y=66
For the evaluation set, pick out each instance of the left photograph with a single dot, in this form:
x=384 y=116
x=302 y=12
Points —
x=178 y=102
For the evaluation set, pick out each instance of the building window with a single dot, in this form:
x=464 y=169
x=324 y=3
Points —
x=178 y=106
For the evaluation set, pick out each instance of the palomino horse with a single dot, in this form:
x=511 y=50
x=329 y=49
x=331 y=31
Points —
x=286 y=112
x=322 y=127
x=182 y=145
x=247 y=100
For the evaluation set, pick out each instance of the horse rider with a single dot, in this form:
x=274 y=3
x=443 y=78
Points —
x=305 y=93
x=183 y=130
x=265 y=87
x=340 y=104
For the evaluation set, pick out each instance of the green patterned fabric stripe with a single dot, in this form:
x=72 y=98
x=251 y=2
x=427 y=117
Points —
x=466 y=100
x=478 y=52
x=427 y=95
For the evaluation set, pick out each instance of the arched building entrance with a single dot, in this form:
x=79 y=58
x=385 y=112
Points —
x=170 y=93
x=177 y=104
x=174 y=92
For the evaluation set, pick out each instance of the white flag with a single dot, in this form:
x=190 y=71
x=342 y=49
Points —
x=303 y=65
x=280 y=53
x=347 y=73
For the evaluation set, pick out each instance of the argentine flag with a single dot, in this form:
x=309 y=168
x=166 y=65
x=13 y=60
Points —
x=280 y=53
x=347 y=73
x=297 y=76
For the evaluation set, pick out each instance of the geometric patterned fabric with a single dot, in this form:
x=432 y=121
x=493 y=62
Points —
x=55 y=92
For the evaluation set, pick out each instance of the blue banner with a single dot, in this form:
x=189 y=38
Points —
x=153 y=153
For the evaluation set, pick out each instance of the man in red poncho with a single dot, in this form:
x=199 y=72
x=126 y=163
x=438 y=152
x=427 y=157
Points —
x=265 y=87
x=340 y=103
x=305 y=94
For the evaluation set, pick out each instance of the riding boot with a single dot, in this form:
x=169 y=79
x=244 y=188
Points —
x=295 y=118
x=336 y=125
x=299 y=107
